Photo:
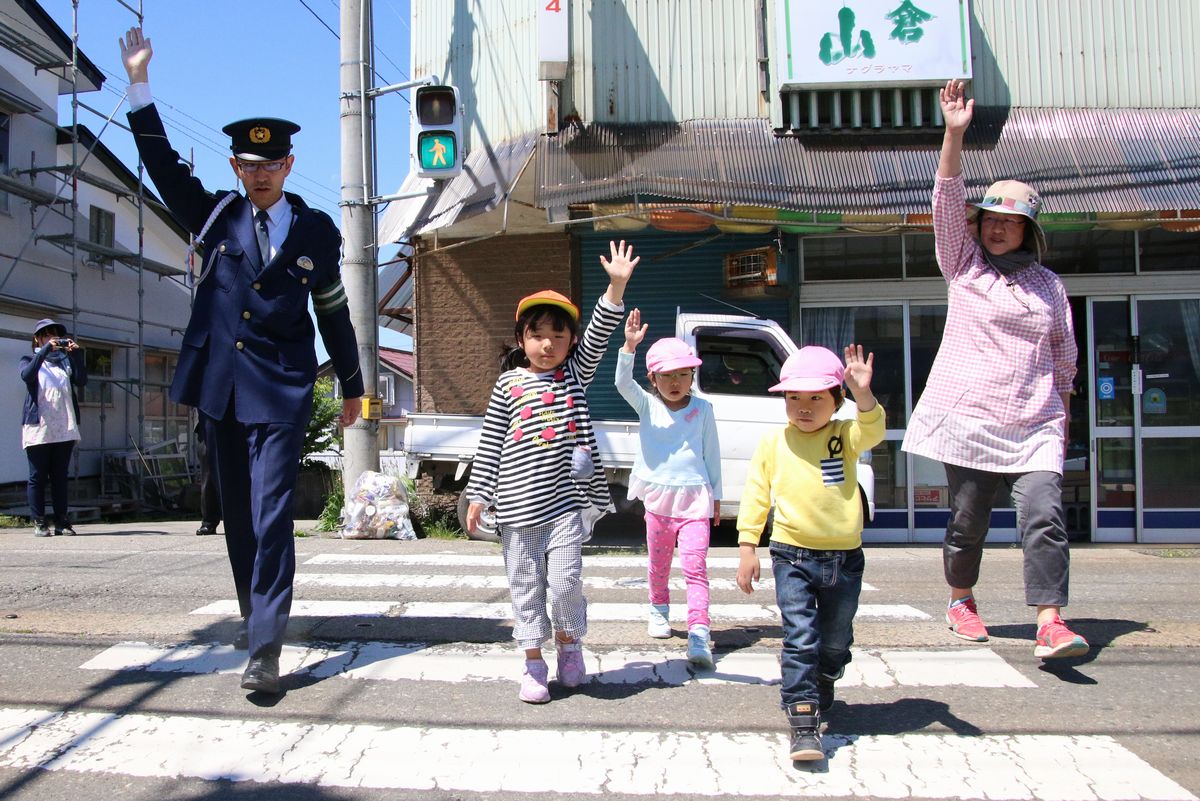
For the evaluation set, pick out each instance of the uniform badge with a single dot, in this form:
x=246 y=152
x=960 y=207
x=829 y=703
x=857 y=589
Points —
x=260 y=135
x=305 y=263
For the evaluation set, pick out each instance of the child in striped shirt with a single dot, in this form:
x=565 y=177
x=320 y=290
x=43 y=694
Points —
x=535 y=462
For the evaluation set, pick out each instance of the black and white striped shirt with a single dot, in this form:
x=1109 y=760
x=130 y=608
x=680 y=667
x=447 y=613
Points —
x=533 y=423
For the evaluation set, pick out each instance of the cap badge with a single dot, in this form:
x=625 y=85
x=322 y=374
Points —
x=305 y=263
x=260 y=135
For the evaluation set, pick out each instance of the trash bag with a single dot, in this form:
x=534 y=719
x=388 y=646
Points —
x=376 y=509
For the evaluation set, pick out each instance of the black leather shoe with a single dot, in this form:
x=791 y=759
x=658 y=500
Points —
x=262 y=675
x=241 y=640
x=206 y=528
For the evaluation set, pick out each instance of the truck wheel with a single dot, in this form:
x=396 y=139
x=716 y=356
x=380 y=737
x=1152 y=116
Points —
x=486 y=536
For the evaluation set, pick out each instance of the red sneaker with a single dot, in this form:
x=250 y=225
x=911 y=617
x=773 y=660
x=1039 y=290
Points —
x=964 y=621
x=1056 y=641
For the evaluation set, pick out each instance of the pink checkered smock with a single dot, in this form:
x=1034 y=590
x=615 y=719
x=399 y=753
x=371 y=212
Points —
x=992 y=401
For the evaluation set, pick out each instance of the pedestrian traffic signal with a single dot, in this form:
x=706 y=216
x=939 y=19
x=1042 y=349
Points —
x=438 y=133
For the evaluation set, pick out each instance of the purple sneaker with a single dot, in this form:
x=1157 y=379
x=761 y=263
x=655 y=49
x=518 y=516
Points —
x=571 y=671
x=535 y=681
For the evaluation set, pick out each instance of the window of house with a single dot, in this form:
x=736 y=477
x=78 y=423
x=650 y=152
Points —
x=387 y=390
x=5 y=124
x=163 y=420
x=752 y=273
x=99 y=363
x=101 y=227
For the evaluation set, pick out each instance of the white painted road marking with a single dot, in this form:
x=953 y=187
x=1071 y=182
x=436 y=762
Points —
x=496 y=582
x=484 y=560
x=465 y=663
x=502 y=611
x=1085 y=768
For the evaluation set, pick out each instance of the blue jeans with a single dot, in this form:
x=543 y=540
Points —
x=817 y=593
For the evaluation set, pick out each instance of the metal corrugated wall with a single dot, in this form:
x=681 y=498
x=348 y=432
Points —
x=666 y=277
x=1087 y=53
x=488 y=49
x=663 y=60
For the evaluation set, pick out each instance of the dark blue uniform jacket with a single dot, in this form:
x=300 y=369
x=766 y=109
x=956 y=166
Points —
x=250 y=335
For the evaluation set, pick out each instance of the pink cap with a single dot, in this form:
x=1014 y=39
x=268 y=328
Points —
x=668 y=355
x=810 y=369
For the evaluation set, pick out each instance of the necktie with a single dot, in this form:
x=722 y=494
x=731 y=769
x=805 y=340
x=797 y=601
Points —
x=260 y=230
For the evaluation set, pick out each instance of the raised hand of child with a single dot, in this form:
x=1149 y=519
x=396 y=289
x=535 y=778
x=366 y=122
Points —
x=635 y=331
x=619 y=269
x=858 y=376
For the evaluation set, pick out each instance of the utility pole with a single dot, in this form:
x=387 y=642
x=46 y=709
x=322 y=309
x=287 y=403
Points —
x=359 y=276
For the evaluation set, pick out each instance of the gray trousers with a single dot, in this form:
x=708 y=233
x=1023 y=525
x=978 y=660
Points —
x=1038 y=498
x=546 y=560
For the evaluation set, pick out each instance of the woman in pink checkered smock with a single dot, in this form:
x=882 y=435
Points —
x=994 y=410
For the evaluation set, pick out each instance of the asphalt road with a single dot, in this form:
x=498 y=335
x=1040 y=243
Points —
x=116 y=681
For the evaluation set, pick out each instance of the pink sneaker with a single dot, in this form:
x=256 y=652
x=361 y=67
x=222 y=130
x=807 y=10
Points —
x=535 y=682
x=964 y=621
x=571 y=671
x=1056 y=641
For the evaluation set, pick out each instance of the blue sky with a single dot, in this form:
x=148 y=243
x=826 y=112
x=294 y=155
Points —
x=216 y=61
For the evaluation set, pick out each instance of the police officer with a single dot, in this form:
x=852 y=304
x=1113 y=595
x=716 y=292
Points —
x=247 y=362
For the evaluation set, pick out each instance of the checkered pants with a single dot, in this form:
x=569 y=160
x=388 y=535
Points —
x=544 y=557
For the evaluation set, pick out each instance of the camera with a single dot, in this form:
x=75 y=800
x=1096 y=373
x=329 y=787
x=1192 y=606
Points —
x=62 y=342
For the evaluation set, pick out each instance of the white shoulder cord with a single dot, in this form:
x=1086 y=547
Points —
x=199 y=240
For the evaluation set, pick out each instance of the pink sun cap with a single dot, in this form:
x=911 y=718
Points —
x=670 y=354
x=810 y=369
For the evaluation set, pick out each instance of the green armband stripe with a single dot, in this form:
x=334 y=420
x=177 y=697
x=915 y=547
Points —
x=330 y=299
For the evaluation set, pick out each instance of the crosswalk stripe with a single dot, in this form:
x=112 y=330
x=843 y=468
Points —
x=1085 y=767
x=462 y=663
x=502 y=611
x=480 y=582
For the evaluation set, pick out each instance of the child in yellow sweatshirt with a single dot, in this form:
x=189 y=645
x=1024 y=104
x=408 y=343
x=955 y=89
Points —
x=808 y=471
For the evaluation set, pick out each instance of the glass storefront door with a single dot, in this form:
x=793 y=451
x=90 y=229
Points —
x=1144 y=381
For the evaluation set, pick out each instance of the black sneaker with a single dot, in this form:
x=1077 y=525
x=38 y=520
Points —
x=41 y=530
x=805 y=720
x=65 y=531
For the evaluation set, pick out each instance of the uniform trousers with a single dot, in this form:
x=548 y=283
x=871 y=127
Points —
x=1038 y=498
x=543 y=559
x=256 y=466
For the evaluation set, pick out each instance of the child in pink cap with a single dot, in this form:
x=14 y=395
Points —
x=677 y=475
x=808 y=470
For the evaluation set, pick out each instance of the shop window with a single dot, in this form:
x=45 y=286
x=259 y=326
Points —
x=852 y=258
x=98 y=391
x=880 y=330
x=101 y=225
x=1093 y=252
x=920 y=259
x=1162 y=250
x=753 y=273
x=926 y=324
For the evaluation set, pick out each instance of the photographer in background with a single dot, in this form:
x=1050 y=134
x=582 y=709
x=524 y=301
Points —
x=50 y=423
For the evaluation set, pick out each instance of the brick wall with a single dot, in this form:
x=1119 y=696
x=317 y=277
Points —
x=464 y=301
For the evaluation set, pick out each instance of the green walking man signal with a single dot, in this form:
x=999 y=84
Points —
x=438 y=132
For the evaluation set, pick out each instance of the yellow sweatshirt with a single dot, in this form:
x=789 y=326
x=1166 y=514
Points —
x=812 y=480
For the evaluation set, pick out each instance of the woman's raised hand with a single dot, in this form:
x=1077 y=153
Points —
x=957 y=111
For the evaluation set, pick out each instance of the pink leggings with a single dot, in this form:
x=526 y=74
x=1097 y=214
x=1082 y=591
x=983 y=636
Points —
x=661 y=534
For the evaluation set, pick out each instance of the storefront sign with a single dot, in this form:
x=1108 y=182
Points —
x=864 y=43
x=929 y=496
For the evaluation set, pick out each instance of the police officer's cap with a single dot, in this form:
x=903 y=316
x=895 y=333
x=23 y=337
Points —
x=261 y=138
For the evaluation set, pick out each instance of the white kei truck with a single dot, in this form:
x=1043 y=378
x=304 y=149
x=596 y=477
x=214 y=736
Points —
x=741 y=359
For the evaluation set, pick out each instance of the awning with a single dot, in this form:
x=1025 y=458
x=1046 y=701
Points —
x=488 y=179
x=1083 y=161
